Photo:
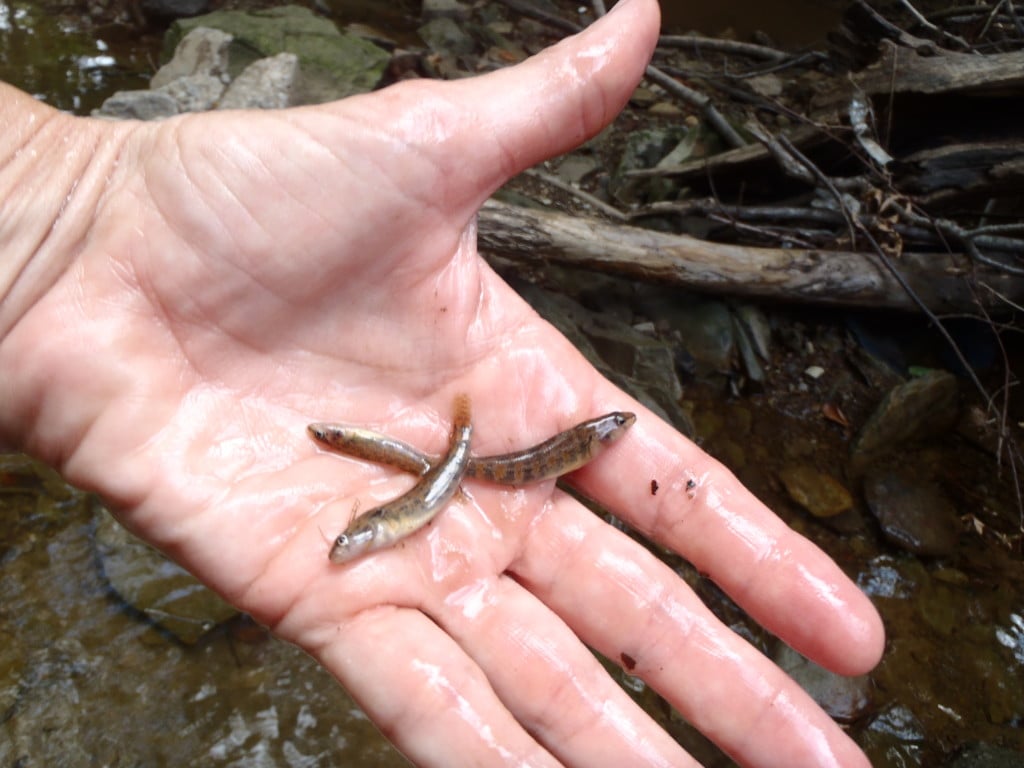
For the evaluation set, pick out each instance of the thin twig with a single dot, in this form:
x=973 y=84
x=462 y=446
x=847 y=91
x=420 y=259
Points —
x=912 y=295
x=585 y=197
x=1005 y=439
x=968 y=240
x=920 y=19
x=698 y=101
x=724 y=46
x=825 y=181
x=1012 y=11
x=990 y=20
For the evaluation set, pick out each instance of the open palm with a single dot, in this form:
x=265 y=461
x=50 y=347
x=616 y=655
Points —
x=213 y=283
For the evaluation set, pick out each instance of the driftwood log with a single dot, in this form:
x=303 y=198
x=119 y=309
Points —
x=944 y=282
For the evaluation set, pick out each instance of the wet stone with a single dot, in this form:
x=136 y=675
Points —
x=900 y=722
x=705 y=327
x=987 y=756
x=443 y=35
x=635 y=354
x=265 y=84
x=154 y=586
x=451 y=9
x=845 y=699
x=753 y=337
x=575 y=167
x=819 y=493
x=893 y=738
x=920 y=408
x=194 y=93
x=138 y=105
x=892 y=578
x=914 y=515
x=203 y=51
x=939 y=608
x=645 y=149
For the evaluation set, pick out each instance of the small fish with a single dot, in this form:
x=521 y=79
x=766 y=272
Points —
x=392 y=522
x=563 y=453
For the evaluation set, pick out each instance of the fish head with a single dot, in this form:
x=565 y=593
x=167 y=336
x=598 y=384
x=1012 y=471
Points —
x=354 y=541
x=610 y=428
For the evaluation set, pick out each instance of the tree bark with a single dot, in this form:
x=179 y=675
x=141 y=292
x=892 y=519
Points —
x=944 y=282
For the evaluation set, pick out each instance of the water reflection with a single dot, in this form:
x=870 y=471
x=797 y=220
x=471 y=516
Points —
x=1012 y=636
x=86 y=680
x=66 y=60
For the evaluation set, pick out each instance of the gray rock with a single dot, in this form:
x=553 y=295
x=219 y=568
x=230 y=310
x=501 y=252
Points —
x=920 y=408
x=138 y=105
x=443 y=35
x=747 y=344
x=333 y=64
x=987 y=756
x=574 y=167
x=194 y=93
x=449 y=9
x=846 y=699
x=892 y=578
x=705 y=327
x=154 y=586
x=645 y=149
x=642 y=366
x=203 y=51
x=757 y=328
x=914 y=515
x=265 y=84
x=633 y=353
x=900 y=722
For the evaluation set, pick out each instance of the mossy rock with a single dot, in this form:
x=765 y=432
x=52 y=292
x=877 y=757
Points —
x=333 y=64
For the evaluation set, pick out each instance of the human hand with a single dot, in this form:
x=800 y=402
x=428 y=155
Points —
x=186 y=296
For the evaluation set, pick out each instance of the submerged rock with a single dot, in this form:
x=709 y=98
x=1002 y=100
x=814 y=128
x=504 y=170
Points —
x=153 y=585
x=44 y=724
x=914 y=515
x=984 y=755
x=845 y=699
x=920 y=408
x=819 y=493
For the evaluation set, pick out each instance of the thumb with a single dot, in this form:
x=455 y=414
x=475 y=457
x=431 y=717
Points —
x=484 y=130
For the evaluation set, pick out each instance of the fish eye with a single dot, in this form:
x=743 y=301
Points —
x=341 y=541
